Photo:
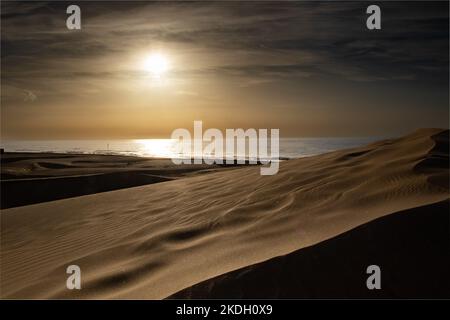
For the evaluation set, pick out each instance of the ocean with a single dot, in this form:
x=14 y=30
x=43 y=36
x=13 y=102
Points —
x=168 y=148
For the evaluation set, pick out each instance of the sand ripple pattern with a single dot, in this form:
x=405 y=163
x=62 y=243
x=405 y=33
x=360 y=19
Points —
x=152 y=241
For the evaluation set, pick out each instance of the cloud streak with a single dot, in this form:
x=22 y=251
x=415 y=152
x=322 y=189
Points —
x=294 y=50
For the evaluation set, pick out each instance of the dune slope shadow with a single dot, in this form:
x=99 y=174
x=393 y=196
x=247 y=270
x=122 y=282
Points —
x=20 y=192
x=411 y=247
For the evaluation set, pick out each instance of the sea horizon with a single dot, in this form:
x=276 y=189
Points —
x=166 y=148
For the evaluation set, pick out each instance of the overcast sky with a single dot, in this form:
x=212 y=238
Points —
x=309 y=69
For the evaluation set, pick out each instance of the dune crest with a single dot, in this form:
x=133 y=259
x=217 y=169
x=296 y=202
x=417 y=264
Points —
x=155 y=240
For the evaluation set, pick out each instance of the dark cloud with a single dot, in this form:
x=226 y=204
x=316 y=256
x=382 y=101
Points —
x=412 y=41
x=255 y=43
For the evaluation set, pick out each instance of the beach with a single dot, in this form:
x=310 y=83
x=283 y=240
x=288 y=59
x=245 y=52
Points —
x=147 y=229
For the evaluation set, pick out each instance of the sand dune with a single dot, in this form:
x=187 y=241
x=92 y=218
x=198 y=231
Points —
x=155 y=240
x=411 y=247
x=29 y=178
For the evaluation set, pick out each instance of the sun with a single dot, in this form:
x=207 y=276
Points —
x=157 y=64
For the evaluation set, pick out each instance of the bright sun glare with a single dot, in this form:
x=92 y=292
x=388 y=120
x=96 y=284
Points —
x=157 y=64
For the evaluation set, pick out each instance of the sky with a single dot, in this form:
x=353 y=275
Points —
x=306 y=68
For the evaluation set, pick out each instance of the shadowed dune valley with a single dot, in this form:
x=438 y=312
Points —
x=143 y=228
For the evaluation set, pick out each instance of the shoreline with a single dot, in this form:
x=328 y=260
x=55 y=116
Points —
x=118 y=154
